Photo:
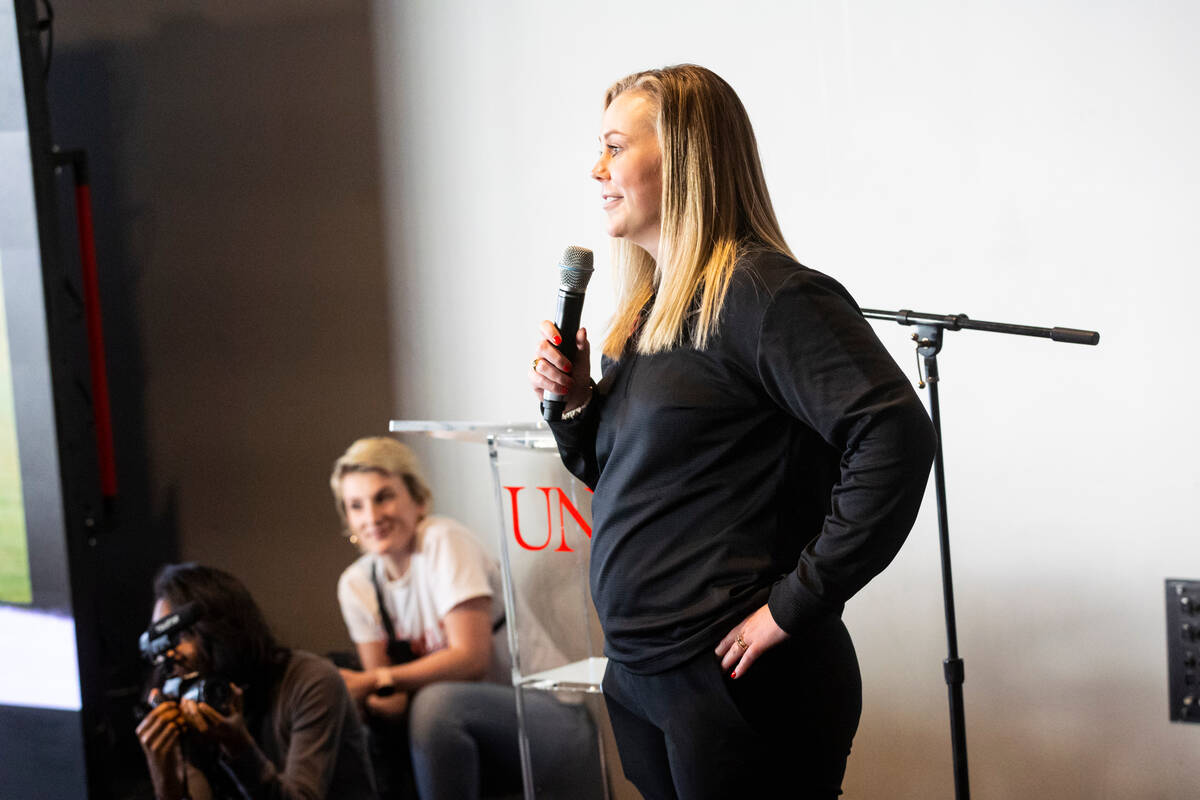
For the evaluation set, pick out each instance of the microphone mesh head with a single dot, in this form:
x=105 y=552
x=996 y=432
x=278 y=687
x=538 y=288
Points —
x=575 y=269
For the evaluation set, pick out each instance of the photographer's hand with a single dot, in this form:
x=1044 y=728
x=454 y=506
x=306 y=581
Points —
x=159 y=736
x=229 y=732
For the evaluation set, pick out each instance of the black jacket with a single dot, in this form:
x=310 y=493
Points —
x=783 y=464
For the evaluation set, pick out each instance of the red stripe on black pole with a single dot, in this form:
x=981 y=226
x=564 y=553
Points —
x=102 y=411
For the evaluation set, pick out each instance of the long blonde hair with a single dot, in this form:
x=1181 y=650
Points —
x=714 y=205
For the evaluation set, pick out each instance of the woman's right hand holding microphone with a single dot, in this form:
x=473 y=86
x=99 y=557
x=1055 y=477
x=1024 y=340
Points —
x=553 y=372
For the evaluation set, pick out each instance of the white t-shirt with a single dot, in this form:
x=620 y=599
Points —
x=448 y=567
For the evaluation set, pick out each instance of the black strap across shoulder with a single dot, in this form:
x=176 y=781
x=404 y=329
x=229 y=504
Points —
x=398 y=650
x=384 y=617
x=390 y=629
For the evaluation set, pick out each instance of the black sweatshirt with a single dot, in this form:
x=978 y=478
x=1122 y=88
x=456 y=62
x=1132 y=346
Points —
x=784 y=464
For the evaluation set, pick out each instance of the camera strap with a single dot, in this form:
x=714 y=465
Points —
x=384 y=617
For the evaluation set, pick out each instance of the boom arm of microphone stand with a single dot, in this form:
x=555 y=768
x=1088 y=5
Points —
x=954 y=322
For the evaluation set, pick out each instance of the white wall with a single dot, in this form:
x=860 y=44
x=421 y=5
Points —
x=1031 y=162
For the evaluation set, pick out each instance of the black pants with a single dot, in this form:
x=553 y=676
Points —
x=783 y=729
x=387 y=745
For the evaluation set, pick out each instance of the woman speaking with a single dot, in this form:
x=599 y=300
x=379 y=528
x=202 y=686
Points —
x=756 y=456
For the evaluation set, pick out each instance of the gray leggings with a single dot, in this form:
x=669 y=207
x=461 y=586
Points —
x=463 y=740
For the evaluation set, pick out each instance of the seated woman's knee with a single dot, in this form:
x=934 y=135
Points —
x=436 y=709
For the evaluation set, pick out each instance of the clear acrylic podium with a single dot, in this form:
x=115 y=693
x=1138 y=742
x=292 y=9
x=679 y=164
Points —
x=545 y=542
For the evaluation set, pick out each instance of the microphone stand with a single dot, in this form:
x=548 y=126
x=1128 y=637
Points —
x=929 y=342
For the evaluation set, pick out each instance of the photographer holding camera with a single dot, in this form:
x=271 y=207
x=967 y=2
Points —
x=234 y=714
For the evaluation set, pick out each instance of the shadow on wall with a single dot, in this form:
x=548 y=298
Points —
x=244 y=282
x=908 y=756
x=138 y=532
x=1036 y=740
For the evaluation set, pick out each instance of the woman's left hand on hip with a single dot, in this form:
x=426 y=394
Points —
x=752 y=637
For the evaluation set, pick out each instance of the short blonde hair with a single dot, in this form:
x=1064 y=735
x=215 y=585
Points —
x=715 y=207
x=385 y=455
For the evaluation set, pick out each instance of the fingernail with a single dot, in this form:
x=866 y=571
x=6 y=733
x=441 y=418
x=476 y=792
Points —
x=733 y=674
x=569 y=367
x=557 y=339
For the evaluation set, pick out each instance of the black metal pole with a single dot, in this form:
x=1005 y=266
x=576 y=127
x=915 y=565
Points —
x=929 y=342
x=955 y=322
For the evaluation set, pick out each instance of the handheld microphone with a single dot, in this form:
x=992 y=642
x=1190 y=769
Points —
x=574 y=272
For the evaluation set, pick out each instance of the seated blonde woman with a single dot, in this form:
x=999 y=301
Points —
x=424 y=608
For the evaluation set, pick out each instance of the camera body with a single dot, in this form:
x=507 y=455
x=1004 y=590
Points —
x=200 y=688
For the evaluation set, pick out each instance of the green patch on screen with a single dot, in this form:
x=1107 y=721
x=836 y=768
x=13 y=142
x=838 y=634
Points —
x=15 y=584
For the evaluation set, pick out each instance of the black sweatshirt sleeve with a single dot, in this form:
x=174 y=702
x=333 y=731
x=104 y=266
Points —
x=818 y=358
x=576 y=438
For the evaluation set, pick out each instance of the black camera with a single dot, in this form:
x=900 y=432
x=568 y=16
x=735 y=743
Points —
x=156 y=644
x=201 y=688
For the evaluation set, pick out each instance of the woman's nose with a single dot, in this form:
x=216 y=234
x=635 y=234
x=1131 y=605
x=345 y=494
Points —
x=600 y=169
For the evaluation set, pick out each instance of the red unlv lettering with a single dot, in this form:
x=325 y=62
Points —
x=565 y=506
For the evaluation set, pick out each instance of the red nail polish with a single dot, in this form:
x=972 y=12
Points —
x=733 y=674
x=557 y=339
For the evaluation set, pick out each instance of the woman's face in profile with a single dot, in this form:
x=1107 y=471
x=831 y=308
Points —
x=630 y=171
x=381 y=512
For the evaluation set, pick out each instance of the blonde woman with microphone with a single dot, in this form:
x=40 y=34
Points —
x=756 y=457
